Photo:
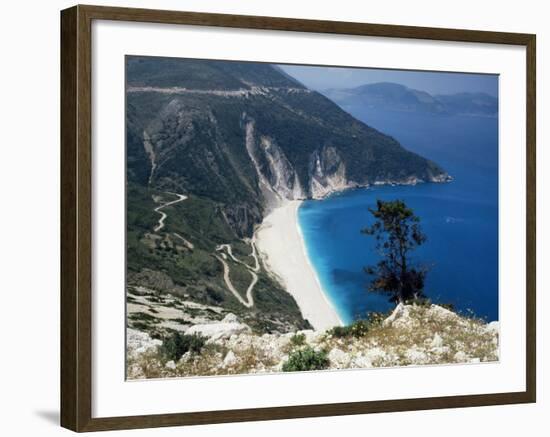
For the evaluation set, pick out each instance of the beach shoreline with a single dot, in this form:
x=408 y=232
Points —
x=282 y=248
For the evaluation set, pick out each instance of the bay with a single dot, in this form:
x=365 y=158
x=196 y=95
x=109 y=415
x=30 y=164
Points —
x=460 y=218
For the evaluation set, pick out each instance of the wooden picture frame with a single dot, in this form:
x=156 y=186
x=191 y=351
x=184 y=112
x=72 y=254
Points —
x=76 y=217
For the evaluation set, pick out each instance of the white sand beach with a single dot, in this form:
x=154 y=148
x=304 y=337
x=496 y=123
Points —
x=282 y=248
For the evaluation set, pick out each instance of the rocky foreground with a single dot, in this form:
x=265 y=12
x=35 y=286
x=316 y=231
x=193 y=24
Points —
x=411 y=335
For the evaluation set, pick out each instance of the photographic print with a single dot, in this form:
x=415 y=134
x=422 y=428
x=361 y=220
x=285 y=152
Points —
x=285 y=218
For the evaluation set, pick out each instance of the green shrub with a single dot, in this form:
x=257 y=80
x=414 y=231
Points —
x=376 y=318
x=140 y=326
x=357 y=329
x=448 y=306
x=177 y=344
x=339 y=331
x=306 y=359
x=419 y=301
x=142 y=317
x=298 y=340
x=214 y=295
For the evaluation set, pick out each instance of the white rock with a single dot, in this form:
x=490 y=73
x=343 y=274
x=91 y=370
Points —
x=170 y=365
x=475 y=360
x=461 y=357
x=397 y=313
x=185 y=357
x=230 y=359
x=312 y=337
x=230 y=318
x=139 y=342
x=437 y=341
x=338 y=358
x=493 y=327
x=374 y=354
x=282 y=341
x=440 y=350
x=218 y=331
x=417 y=356
x=361 y=361
x=442 y=313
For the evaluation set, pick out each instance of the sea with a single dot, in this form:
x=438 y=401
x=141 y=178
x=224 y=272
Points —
x=460 y=218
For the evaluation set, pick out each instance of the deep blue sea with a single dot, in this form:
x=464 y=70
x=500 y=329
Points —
x=460 y=218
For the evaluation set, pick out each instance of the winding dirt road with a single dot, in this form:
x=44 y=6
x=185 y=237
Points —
x=242 y=92
x=249 y=300
x=163 y=215
x=225 y=250
x=227 y=247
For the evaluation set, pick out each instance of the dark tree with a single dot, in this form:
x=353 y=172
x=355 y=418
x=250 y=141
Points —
x=397 y=232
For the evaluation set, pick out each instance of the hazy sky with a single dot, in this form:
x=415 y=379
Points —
x=320 y=78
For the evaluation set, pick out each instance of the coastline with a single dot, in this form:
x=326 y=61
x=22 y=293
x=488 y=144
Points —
x=282 y=248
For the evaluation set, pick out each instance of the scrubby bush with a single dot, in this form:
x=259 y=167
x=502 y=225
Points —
x=375 y=318
x=419 y=301
x=357 y=329
x=340 y=331
x=426 y=302
x=214 y=295
x=298 y=340
x=306 y=359
x=448 y=306
x=177 y=344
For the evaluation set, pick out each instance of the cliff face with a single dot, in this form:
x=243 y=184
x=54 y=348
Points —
x=278 y=179
x=247 y=136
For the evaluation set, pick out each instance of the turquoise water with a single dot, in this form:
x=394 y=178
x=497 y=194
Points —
x=460 y=218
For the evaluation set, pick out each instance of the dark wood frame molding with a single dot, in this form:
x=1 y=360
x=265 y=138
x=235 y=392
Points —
x=76 y=221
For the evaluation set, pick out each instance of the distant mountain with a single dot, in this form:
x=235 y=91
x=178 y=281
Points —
x=470 y=103
x=396 y=97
